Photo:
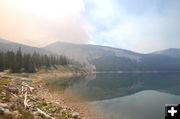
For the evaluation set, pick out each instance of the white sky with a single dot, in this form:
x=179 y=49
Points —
x=138 y=25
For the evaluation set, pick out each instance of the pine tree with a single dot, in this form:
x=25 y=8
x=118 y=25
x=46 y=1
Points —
x=47 y=61
x=31 y=67
x=18 y=65
x=1 y=61
x=12 y=61
x=29 y=63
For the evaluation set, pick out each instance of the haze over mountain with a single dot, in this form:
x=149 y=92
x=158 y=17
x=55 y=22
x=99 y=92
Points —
x=104 y=58
x=173 y=52
x=6 y=45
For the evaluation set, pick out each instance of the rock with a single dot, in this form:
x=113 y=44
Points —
x=5 y=77
x=19 y=100
x=6 y=111
x=1 y=110
x=27 y=80
x=53 y=110
x=3 y=105
x=16 y=114
x=12 y=90
x=24 y=75
x=10 y=106
x=3 y=93
x=64 y=107
x=75 y=115
x=37 y=113
x=32 y=109
x=57 y=103
x=1 y=101
x=31 y=104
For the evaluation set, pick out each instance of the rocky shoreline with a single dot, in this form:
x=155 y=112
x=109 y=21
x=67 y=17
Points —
x=19 y=100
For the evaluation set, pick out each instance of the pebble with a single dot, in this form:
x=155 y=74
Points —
x=53 y=110
x=75 y=115
x=6 y=111
x=10 y=106
x=16 y=113
x=32 y=109
x=57 y=102
x=1 y=110
x=4 y=105
x=3 y=93
x=27 y=80
x=12 y=90
x=24 y=75
x=1 y=101
x=37 y=113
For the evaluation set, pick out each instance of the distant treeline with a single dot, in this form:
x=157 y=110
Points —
x=25 y=62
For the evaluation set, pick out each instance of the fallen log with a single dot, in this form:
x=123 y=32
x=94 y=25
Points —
x=26 y=85
x=43 y=113
x=25 y=101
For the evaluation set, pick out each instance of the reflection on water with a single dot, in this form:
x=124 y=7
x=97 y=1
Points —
x=126 y=95
x=142 y=105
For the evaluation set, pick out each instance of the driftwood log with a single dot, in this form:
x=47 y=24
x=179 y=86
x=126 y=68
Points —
x=25 y=101
x=43 y=113
x=27 y=106
x=26 y=85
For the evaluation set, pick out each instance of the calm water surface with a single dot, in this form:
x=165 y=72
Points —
x=126 y=95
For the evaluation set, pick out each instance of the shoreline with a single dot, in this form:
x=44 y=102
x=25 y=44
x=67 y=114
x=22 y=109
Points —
x=81 y=109
x=59 y=98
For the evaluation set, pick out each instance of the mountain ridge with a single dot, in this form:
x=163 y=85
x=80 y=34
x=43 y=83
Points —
x=102 y=58
x=105 y=58
x=6 y=45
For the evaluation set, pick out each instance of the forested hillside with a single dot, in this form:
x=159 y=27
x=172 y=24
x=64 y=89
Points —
x=26 y=62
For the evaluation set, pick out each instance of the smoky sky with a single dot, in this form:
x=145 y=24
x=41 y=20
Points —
x=138 y=25
x=41 y=22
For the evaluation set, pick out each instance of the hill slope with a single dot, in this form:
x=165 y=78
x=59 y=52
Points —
x=173 y=52
x=11 y=46
x=104 y=58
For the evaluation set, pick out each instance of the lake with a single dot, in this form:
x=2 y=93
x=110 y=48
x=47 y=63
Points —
x=125 y=95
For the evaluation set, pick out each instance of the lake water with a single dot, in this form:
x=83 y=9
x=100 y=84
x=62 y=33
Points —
x=126 y=95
